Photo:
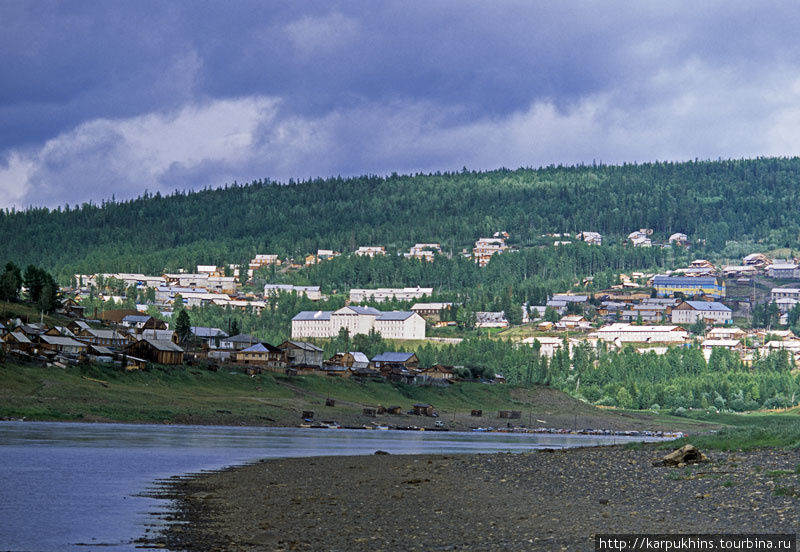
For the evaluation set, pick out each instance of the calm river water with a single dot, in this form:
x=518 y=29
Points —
x=73 y=486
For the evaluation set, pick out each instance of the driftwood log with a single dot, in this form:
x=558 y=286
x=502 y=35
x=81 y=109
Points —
x=687 y=454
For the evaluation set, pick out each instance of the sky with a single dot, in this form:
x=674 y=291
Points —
x=109 y=99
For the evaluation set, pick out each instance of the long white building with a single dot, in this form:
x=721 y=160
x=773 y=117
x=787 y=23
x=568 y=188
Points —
x=384 y=294
x=358 y=320
x=628 y=333
x=312 y=292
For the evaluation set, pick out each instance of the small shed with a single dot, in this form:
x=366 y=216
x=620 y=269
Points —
x=395 y=410
x=371 y=412
x=476 y=413
x=421 y=409
x=159 y=351
x=510 y=414
x=308 y=414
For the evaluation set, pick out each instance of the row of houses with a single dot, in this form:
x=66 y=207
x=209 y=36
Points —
x=296 y=357
x=658 y=340
x=79 y=340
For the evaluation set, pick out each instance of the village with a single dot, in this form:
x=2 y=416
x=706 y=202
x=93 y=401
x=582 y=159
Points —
x=650 y=312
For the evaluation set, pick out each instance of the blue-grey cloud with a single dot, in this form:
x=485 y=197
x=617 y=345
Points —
x=103 y=98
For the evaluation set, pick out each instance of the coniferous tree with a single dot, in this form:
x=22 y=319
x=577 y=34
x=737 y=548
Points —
x=183 y=325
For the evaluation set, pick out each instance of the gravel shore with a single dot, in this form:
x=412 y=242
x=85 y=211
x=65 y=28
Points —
x=542 y=500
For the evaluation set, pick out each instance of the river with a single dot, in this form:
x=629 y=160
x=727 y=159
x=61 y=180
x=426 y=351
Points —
x=78 y=486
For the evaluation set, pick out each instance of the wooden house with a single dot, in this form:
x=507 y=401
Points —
x=143 y=322
x=335 y=370
x=158 y=335
x=31 y=331
x=408 y=361
x=397 y=372
x=160 y=352
x=208 y=336
x=96 y=352
x=350 y=360
x=262 y=354
x=300 y=354
x=422 y=409
x=364 y=373
x=439 y=372
x=108 y=338
x=18 y=341
x=115 y=316
x=238 y=342
x=60 y=345
x=77 y=326
x=72 y=309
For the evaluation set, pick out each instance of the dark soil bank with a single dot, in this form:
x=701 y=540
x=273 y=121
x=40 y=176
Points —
x=545 y=500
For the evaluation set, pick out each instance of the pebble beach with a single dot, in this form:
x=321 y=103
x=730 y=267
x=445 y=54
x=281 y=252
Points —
x=538 y=500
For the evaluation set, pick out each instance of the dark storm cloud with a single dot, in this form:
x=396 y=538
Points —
x=103 y=98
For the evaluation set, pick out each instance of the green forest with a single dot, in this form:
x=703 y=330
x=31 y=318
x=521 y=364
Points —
x=752 y=202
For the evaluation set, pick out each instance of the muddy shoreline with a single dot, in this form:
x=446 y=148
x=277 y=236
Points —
x=541 y=500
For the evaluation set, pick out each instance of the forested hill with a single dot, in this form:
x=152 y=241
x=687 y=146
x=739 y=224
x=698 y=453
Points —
x=754 y=200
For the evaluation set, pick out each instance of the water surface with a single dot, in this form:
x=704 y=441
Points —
x=77 y=486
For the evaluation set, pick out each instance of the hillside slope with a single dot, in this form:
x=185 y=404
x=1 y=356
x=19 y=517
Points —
x=717 y=201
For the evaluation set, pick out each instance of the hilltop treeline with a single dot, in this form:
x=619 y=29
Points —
x=716 y=201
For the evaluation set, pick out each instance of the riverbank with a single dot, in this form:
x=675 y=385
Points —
x=543 y=500
x=188 y=395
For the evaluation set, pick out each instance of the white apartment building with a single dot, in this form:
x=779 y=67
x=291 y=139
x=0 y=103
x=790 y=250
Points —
x=312 y=292
x=690 y=312
x=784 y=293
x=424 y=251
x=485 y=248
x=384 y=294
x=370 y=251
x=358 y=320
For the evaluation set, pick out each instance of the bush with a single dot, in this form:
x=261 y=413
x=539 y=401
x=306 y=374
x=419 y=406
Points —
x=778 y=401
x=606 y=401
x=680 y=411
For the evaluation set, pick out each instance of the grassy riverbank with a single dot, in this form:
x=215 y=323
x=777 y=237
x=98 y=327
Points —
x=750 y=431
x=194 y=396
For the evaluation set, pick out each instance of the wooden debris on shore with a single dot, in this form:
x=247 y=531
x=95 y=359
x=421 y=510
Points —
x=687 y=454
x=101 y=382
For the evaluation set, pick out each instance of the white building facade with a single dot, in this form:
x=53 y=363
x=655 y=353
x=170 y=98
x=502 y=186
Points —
x=628 y=333
x=384 y=294
x=358 y=320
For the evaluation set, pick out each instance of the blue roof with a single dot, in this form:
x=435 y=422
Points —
x=135 y=318
x=395 y=315
x=674 y=280
x=365 y=310
x=312 y=315
x=257 y=348
x=201 y=331
x=392 y=357
x=707 y=306
x=570 y=298
x=241 y=338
